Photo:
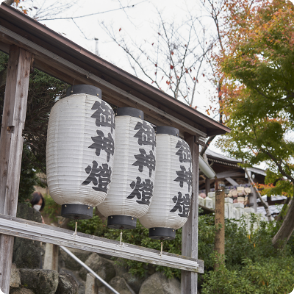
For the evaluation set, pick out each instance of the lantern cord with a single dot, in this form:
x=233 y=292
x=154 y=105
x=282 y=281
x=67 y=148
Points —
x=161 y=248
x=120 y=238
x=76 y=229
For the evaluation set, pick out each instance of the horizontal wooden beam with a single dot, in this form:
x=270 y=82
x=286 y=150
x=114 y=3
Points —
x=47 y=60
x=232 y=182
x=206 y=209
x=40 y=232
x=230 y=174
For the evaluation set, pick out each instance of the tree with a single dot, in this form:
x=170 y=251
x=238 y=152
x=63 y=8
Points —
x=259 y=89
x=172 y=60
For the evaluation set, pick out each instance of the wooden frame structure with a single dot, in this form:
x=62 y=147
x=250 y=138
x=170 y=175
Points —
x=30 y=44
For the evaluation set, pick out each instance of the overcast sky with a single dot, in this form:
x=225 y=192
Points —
x=138 y=22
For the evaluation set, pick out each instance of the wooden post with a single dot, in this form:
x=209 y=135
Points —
x=207 y=186
x=190 y=229
x=11 y=144
x=51 y=257
x=219 y=242
x=91 y=286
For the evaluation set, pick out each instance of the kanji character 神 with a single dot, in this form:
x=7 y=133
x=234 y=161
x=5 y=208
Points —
x=103 y=143
x=184 y=176
x=142 y=190
x=182 y=204
x=144 y=159
x=99 y=176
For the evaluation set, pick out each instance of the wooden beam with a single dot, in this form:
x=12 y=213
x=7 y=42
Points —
x=11 y=144
x=232 y=182
x=206 y=210
x=230 y=174
x=77 y=73
x=62 y=237
x=190 y=229
x=207 y=186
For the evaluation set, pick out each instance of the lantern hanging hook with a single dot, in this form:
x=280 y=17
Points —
x=120 y=239
x=76 y=229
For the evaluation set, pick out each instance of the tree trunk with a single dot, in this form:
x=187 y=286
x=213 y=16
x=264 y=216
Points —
x=286 y=229
x=268 y=214
x=284 y=210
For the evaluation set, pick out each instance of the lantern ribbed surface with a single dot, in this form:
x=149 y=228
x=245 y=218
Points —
x=80 y=149
x=173 y=184
x=131 y=189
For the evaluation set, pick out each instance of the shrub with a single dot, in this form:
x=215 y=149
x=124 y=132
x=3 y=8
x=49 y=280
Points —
x=267 y=276
x=51 y=208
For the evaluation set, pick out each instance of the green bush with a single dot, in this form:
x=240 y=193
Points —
x=51 y=208
x=251 y=262
x=94 y=226
x=267 y=276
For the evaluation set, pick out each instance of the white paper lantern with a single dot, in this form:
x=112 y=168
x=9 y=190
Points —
x=133 y=176
x=80 y=149
x=170 y=205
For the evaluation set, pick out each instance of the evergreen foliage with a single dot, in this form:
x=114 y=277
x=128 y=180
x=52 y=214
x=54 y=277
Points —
x=251 y=262
x=44 y=91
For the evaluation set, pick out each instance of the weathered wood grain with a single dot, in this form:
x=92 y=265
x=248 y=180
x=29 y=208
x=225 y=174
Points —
x=11 y=144
x=207 y=186
x=190 y=229
x=40 y=232
x=219 y=241
x=51 y=257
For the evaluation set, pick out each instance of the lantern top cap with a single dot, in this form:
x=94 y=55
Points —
x=167 y=130
x=84 y=89
x=130 y=111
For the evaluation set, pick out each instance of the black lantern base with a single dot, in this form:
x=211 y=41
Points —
x=162 y=233
x=77 y=211
x=121 y=222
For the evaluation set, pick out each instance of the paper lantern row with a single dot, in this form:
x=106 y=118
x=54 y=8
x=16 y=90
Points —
x=117 y=163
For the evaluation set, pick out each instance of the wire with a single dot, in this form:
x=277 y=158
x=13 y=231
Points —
x=91 y=14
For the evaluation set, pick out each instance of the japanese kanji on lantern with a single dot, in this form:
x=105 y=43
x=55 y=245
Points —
x=133 y=175
x=170 y=205
x=80 y=150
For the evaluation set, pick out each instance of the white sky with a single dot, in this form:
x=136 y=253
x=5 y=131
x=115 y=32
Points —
x=139 y=23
